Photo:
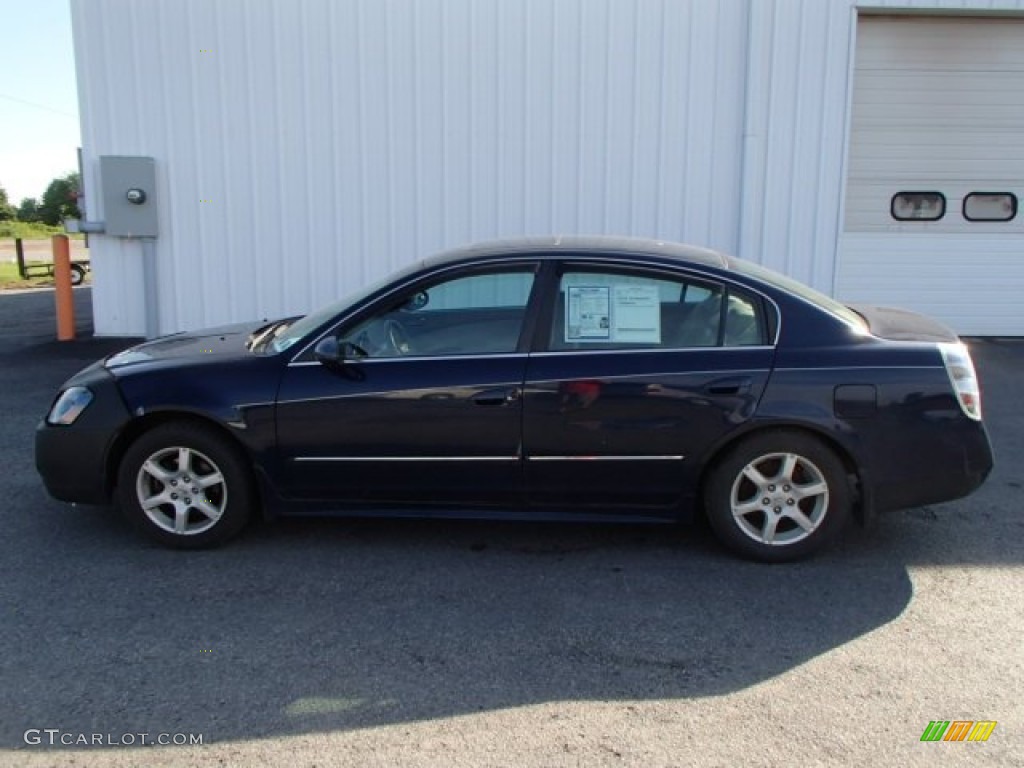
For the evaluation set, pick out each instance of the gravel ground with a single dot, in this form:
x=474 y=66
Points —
x=332 y=642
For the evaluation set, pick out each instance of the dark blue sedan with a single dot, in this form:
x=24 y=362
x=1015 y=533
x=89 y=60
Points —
x=569 y=379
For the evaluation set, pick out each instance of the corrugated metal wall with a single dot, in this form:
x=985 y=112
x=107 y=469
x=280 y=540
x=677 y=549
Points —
x=305 y=146
x=795 y=135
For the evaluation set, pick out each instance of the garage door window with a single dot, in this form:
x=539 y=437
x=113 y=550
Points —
x=990 y=206
x=918 y=206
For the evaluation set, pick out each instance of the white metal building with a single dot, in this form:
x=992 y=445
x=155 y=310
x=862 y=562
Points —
x=873 y=149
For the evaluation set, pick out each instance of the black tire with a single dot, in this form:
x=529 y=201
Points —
x=213 y=494
x=77 y=274
x=778 y=496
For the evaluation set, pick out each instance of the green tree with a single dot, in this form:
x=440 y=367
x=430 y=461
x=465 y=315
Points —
x=29 y=209
x=7 y=211
x=60 y=200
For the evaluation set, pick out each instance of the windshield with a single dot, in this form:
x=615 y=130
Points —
x=805 y=292
x=314 y=320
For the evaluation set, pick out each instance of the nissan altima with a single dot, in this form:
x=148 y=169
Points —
x=591 y=379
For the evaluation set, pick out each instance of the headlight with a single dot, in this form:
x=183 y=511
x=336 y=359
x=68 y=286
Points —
x=69 y=406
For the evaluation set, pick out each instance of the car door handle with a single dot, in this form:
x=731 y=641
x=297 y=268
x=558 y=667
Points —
x=502 y=396
x=730 y=386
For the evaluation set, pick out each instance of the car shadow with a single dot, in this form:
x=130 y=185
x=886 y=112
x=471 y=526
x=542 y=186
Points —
x=320 y=625
x=307 y=626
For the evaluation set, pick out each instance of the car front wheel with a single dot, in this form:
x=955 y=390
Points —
x=778 y=496
x=185 y=486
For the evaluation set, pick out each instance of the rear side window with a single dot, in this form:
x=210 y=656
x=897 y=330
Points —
x=606 y=310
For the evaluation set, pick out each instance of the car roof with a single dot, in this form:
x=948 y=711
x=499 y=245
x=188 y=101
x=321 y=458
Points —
x=553 y=247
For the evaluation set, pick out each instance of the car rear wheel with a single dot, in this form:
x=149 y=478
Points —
x=778 y=496
x=186 y=486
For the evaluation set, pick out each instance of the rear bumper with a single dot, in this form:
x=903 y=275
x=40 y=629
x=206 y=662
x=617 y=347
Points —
x=951 y=465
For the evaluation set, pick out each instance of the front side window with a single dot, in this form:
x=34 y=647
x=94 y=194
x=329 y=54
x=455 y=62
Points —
x=598 y=310
x=476 y=314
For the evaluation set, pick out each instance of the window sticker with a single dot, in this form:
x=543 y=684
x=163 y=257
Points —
x=588 y=313
x=623 y=313
x=636 y=314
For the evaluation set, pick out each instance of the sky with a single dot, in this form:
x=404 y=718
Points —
x=39 y=130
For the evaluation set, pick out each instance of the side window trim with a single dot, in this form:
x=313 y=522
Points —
x=540 y=308
x=723 y=316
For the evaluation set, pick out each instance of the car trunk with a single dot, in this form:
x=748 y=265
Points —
x=902 y=325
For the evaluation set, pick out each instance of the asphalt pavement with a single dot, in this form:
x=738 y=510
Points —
x=404 y=643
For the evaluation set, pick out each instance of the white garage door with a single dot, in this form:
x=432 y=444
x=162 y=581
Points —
x=936 y=169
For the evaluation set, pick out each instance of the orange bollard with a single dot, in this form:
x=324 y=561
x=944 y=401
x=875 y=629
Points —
x=62 y=283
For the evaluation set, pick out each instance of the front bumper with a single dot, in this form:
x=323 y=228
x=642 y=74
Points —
x=73 y=460
x=72 y=463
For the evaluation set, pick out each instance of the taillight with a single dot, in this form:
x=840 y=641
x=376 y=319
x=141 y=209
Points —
x=961 y=374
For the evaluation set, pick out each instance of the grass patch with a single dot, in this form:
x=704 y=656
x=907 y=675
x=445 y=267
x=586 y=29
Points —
x=33 y=230
x=30 y=230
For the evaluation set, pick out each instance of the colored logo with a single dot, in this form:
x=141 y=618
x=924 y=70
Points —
x=958 y=730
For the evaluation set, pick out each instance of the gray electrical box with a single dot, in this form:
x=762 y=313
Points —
x=129 y=195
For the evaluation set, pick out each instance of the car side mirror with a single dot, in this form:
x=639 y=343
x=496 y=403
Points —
x=336 y=354
x=329 y=352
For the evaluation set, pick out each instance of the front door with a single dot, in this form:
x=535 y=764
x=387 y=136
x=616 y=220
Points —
x=427 y=409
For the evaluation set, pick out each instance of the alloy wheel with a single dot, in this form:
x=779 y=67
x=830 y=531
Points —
x=181 y=490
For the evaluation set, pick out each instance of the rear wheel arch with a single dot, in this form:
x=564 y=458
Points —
x=853 y=470
x=777 y=495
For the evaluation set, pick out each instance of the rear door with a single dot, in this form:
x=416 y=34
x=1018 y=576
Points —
x=636 y=372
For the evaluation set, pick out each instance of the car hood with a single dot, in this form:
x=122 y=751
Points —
x=903 y=325
x=225 y=342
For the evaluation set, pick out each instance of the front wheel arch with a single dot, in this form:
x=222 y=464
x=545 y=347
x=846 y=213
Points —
x=184 y=484
x=139 y=426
